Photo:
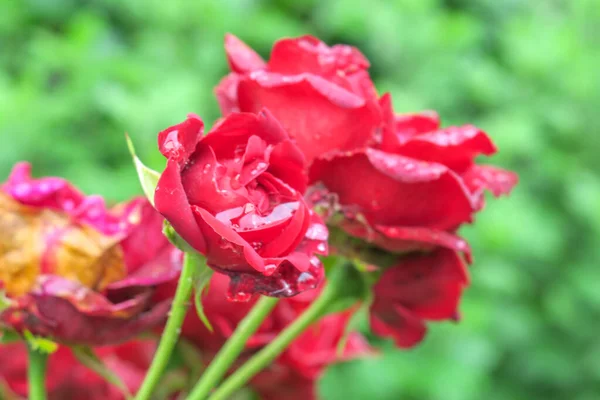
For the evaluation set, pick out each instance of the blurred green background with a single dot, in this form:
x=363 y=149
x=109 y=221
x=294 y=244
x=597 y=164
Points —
x=75 y=75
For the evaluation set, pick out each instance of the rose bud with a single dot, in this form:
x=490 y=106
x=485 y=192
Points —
x=323 y=96
x=413 y=189
x=76 y=271
x=419 y=288
x=236 y=196
x=68 y=379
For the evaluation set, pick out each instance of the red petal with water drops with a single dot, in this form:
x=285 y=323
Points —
x=320 y=115
x=179 y=141
x=394 y=190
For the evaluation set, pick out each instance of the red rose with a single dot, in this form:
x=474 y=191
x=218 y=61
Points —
x=420 y=288
x=75 y=270
x=236 y=195
x=415 y=187
x=323 y=96
x=68 y=379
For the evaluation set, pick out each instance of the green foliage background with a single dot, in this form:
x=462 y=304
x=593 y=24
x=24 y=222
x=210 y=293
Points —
x=75 y=75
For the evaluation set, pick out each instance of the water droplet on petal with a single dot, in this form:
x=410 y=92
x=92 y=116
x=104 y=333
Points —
x=240 y=296
x=269 y=269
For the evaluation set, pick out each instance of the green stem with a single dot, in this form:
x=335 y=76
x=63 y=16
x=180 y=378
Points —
x=36 y=374
x=173 y=327
x=232 y=348
x=269 y=353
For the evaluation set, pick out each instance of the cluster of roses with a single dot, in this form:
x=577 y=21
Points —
x=307 y=160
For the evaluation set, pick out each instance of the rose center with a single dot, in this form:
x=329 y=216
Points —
x=37 y=241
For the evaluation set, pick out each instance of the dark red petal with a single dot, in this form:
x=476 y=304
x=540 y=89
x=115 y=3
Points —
x=288 y=280
x=171 y=201
x=282 y=382
x=401 y=239
x=429 y=285
x=179 y=141
x=393 y=190
x=389 y=320
x=226 y=93
x=240 y=56
x=71 y=313
x=321 y=116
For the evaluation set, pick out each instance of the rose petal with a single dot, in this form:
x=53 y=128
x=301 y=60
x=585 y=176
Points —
x=394 y=190
x=240 y=56
x=299 y=103
x=171 y=201
x=226 y=93
x=179 y=141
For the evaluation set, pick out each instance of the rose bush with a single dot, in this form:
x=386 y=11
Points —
x=76 y=271
x=236 y=196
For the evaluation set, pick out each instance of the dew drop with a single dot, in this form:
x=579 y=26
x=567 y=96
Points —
x=269 y=269
x=241 y=297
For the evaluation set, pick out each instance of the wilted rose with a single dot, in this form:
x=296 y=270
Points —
x=76 y=271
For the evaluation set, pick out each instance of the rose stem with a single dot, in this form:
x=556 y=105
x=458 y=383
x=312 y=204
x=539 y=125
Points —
x=232 y=348
x=264 y=357
x=172 y=330
x=36 y=373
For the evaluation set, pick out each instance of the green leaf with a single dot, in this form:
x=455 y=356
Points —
x=147 y=176
x=89 y=359
x=9 y=336
x=40 y=344
x=202 y=279
x=350 y=284
x=5 y=302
